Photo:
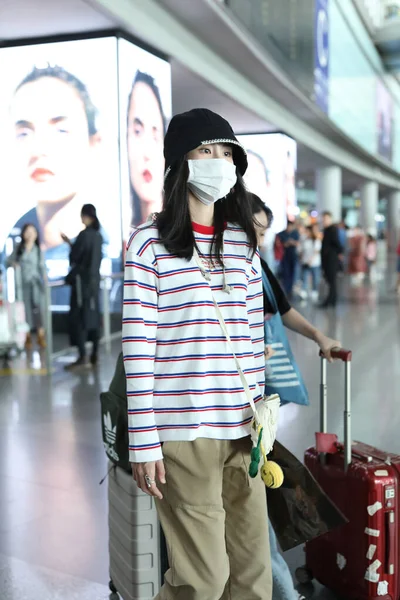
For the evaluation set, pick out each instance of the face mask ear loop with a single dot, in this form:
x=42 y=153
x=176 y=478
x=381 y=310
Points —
x=227 y=288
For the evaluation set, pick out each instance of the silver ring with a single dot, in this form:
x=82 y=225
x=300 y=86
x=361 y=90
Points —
x=149 y=481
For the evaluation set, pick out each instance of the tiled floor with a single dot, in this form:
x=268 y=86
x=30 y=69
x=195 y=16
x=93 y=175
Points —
x=53 y=513
x=21 y=580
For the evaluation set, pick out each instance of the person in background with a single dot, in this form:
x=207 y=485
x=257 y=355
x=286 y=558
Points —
x=283 y=587
x=279 y=251
x=146 y=124
x=290 y=186
x=311 y=261
x=371 y=254
x=84 y=279
x=28 y=258
x=331 y=250
x=342 y=234
x=290 y=240
x=298 y=279
x=357 y=264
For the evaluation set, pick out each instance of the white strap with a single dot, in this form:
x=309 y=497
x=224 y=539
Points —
x=225 y=331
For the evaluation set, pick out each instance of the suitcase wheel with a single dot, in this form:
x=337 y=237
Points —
x=304 y=575
x=112 y=587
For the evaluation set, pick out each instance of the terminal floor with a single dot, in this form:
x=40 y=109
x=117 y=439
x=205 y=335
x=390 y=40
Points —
x=53 y=513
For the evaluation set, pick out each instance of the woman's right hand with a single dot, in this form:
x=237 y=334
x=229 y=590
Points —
x=155 y=471
x=268 y=352
x=65 y=238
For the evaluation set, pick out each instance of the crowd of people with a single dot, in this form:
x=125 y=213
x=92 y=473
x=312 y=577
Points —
x=309 y=258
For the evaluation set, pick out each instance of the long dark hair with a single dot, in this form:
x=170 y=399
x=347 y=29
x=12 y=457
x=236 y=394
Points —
x=257 y=206
x=88 y=210
x=22 y=244
x=148 y=80
x=174 y=222
x=57 y=72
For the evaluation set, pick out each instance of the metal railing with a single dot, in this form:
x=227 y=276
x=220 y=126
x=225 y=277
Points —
x=14 y=292
x=106 y=339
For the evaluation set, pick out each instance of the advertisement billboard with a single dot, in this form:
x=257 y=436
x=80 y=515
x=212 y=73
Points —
x=272 y=159
x=384 y=125
x=321 y=54
x=82 y=121
x=59 y=145
x=145 y=110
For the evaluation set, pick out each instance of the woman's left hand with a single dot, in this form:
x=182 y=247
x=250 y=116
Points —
x=326 y=345
x=268 y=352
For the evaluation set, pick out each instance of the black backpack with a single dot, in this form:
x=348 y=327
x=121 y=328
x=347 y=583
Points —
x=114 y=418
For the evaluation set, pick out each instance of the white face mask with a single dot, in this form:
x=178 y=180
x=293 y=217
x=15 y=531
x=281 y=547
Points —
x=211 y=178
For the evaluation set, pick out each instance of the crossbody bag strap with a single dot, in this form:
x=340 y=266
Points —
x=228 y=338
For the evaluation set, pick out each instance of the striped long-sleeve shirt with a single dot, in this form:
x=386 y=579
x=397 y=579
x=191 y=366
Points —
x=182 y=382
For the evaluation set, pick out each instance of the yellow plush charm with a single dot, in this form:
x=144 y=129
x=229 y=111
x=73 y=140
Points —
x=271 y=472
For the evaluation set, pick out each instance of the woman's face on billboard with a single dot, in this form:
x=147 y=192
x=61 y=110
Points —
x=52 y=138
x=145 y=145
x=256 y=177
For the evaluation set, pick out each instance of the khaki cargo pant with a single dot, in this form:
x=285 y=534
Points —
x=214 y=517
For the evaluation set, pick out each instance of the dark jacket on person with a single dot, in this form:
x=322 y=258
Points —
x=84 y=279
x=280 y=296
x=331 y=249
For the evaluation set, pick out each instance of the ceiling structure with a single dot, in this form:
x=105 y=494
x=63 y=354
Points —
x=36 y=18
x=20 y=19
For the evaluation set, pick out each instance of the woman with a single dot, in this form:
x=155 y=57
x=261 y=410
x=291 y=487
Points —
x=290 y=239
x=84 y=279
x=145 y=134
x=28 y=258
x=189 y=417
x=357 y=263
x=283 y=588
x=371 y=253
x=311 y=261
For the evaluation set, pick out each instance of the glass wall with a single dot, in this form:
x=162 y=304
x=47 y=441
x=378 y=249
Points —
x=357 y=94
x=352 y=83
x=285 y=28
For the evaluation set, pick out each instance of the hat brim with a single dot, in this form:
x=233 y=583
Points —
x=239 y=154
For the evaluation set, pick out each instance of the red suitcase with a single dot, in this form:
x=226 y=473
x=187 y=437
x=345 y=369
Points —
x=359 y=560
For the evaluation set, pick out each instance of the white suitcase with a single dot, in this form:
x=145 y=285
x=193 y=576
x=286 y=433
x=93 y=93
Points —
x=6 y=337
x=134 y=543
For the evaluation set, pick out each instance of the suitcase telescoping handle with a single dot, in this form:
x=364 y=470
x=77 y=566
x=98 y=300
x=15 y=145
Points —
x=345 y=356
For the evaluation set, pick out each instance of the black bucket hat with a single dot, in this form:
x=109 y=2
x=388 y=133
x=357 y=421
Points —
x=197 y=127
